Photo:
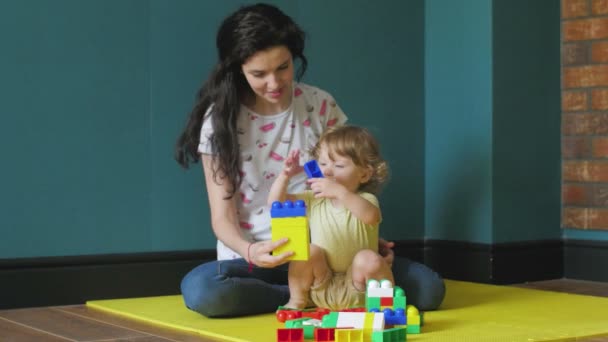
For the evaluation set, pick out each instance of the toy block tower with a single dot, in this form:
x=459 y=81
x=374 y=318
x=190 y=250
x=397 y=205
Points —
x=289 y=220
x=382 y=297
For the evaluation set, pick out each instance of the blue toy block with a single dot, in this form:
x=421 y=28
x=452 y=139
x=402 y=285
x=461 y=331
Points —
x=396 y=317
x=312 y=169
x=288 y=209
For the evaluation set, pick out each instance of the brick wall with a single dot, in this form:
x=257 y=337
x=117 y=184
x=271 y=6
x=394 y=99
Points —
x=585 y=114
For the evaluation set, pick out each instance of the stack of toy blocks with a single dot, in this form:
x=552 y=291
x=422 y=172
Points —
x=288 y=219
x=382 y=297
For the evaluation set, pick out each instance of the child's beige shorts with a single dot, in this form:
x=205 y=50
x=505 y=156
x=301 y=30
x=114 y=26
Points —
x=336 y=292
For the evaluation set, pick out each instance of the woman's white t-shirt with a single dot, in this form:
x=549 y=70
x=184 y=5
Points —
x=265 y=141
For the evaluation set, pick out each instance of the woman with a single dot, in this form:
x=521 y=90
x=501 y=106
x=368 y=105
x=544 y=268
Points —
x=249 y=114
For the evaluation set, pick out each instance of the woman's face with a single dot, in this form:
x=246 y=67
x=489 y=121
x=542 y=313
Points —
x=270 y=75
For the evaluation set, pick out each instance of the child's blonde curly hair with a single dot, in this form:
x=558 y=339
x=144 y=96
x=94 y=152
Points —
x=360 y=145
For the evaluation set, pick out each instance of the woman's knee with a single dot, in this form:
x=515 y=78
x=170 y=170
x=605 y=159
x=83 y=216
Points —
x=423 y=287
x=201 y=289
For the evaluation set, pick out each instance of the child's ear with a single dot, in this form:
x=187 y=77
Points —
x=367 y=174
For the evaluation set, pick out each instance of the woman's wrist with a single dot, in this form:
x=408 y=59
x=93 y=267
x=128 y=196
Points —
x=249 y=261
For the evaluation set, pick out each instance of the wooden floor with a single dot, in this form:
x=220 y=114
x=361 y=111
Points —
x=78 y=323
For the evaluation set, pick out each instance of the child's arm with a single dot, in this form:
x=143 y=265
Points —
x=278 y=190
x=360 y=207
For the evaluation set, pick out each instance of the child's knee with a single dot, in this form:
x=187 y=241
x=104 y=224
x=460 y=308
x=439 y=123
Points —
x=367 y=261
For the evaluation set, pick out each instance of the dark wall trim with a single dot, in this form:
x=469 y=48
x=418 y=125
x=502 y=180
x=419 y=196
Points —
x=503 y=263
x=50 y=281
x=586 y=259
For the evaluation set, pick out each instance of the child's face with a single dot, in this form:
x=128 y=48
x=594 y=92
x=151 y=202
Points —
x=342 y=169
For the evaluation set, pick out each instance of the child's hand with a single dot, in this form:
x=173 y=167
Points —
x=327 y=188
x=292 y=164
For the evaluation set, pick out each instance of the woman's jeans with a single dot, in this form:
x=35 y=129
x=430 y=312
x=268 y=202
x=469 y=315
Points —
x=226 y=288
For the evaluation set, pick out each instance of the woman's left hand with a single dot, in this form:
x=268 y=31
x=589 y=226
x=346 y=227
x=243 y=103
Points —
x=385 y=249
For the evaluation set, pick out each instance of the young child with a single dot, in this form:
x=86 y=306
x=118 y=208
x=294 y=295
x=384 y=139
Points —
x=344 y=215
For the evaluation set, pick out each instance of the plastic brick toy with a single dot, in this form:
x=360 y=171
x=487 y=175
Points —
x=290 y=335
x=312 y=169
x=288 y=219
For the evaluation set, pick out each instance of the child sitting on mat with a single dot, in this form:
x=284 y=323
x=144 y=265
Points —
x=344 y=217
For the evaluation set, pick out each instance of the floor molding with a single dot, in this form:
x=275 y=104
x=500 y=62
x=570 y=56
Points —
x=586 y=260
x=48 y=281
x=34 y=282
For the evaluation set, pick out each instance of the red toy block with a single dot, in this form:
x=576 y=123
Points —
x=285 y=315
x=290 y=335
x=316 y=314
x=325 y=334
x=386 y=301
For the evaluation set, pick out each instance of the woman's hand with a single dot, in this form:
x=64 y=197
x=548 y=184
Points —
x=385 y=249
x=259 y=253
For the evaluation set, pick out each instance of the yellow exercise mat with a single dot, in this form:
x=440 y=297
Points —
x=470 y=312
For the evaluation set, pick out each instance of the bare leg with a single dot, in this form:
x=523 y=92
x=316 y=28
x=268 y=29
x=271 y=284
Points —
x=369 y=264
x=303 y=274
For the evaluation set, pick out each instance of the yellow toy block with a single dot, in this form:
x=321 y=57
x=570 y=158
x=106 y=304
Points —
x=413 y=320
x=349 y=335
x=296 y=229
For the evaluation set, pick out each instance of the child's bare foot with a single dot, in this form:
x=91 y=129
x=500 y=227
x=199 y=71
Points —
x=297 y=304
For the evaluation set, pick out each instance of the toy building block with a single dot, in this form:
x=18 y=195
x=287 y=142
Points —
x=290 y=335
x=312 y=169
x=300 y=323
x=288 y=209
x=356 y=320
x=399 y=300
x=389 y=335
x=325 y=334
x=386 y=301
x=381 y=295
x=289 y=220
x=284 y=315
x=414 y=320
x=379 y=289
x=317 y=313
x=349 y=335
x=393 y=317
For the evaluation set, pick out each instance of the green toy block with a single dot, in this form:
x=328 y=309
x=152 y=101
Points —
x=399 y=302
x=413 y=329
x=372 y=303
x=389 y=335
x=330 y=320
x=309 y=330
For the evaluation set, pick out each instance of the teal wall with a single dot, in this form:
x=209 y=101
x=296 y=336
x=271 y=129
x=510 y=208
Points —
x=578 y=234
x=527 y=120
x=370 y=55
x=458 y=102
x=95 y=92
x=464 y=97
x=492 y=120
x=74 y=127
